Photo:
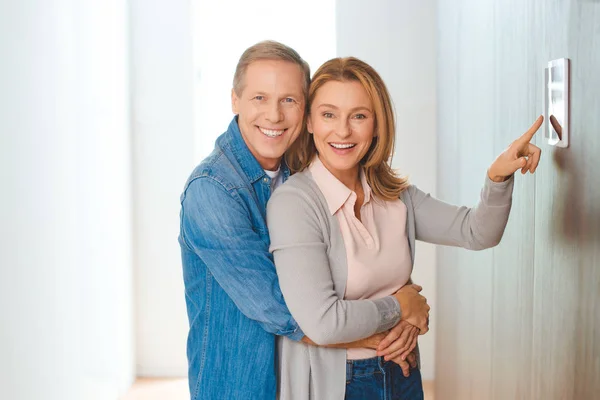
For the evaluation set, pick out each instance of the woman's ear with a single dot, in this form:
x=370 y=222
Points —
x=309 y=125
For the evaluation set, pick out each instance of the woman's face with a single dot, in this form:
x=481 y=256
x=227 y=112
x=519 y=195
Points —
x=342 y=121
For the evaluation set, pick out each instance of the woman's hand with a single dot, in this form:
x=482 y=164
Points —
x=399 y=343
x=414 y=307
x=519 y=155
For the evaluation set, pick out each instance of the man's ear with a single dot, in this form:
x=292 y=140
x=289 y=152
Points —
x=234 y=102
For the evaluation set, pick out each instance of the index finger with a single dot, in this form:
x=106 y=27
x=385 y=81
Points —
x=387 y=340
x=527 y=136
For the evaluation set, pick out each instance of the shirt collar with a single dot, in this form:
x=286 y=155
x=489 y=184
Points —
x=335 y=192
x=244 y=156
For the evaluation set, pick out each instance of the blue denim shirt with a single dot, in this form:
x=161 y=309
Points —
x=234 y=302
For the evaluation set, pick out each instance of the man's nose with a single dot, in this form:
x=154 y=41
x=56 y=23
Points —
x=274 y=113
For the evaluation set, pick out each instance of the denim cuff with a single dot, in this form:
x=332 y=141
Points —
x=389 y=312
x=296 y=334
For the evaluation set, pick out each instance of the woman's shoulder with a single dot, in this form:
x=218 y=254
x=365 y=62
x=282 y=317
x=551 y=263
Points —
x=299 y=190
x=301 y=182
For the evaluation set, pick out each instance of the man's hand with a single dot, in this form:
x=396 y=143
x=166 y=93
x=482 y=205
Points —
x=414 y=307
x=400 y=342
x=406 y=365
x=372 y=342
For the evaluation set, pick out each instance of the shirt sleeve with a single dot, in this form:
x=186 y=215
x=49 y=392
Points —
x=302 y=262
x=217 y=227
x=475 y=228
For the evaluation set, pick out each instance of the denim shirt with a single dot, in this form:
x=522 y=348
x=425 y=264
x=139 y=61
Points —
x=234 y=303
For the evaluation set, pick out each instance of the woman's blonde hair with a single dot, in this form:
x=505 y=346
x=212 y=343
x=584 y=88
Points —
x=383 y=180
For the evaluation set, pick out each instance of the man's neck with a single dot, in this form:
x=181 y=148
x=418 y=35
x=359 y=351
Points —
x=271 y=166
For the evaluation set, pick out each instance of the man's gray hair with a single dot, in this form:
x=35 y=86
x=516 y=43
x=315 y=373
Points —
x=268 y=50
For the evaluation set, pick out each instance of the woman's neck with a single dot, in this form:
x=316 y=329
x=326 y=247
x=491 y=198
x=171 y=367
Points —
x=350 y=178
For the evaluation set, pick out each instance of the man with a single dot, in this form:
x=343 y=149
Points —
x=234 y=303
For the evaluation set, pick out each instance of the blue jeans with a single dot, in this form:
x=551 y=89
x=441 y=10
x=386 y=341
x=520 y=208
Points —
x=376 y=379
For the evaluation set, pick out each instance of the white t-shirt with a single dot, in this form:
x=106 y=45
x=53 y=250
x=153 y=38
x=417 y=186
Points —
x=276 y=178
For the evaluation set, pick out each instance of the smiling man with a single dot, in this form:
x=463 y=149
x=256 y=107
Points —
x=234 y=303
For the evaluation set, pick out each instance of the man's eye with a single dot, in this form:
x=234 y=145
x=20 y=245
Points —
x=289 y=100
x=259 y=98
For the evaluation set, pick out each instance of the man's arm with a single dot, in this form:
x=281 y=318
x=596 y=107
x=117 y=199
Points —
x=216 y=226
x=371 y=342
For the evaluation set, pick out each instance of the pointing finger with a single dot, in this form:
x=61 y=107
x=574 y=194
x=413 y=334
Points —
x=527 y=136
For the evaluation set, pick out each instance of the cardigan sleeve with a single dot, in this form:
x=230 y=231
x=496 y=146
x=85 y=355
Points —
x=475 y=228
x=298 y=234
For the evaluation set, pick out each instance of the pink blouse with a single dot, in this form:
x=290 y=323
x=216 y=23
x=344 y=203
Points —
x=377 y=248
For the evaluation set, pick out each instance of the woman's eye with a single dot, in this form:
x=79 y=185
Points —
x=360 y=116
x=328 y=115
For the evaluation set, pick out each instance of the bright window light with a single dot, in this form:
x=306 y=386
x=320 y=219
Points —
x=224 y=29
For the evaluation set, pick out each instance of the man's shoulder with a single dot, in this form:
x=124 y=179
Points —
x=219 y=168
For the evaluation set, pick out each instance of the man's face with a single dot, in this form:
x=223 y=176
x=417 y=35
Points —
x=270 y=109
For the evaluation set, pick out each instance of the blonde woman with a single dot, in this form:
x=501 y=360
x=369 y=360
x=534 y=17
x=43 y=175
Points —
x=343 y=231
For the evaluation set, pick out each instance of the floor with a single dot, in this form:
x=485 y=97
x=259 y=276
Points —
x=176 y=389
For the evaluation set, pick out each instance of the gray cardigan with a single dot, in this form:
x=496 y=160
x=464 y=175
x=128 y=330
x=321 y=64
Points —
x=310 y=258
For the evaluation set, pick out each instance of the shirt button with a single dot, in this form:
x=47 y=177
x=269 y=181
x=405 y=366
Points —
x=265 y=180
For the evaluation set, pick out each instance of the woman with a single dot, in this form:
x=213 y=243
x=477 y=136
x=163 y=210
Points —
x=343 y=229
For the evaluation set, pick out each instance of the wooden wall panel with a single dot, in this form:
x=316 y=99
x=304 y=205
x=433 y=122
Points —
x=521 y=321
x=515 y=110
x=555 y=289
x=476 y=152
x=580 y=172
x=464 y=354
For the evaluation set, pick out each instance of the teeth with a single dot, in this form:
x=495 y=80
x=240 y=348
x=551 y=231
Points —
x=342 y=145
x=271 y=133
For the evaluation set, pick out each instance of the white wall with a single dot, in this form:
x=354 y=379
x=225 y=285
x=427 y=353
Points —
x=215 y=60
x=398 y=38
x=163 y=148
x=65 y=260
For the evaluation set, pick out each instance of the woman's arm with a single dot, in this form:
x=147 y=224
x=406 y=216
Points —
x=298 y=246
x=474 y=228
x=482 y=226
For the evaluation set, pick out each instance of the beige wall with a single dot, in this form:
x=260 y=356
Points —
x=521 y=321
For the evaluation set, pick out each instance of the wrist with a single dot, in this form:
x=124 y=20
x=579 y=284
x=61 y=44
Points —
x=495 y=177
